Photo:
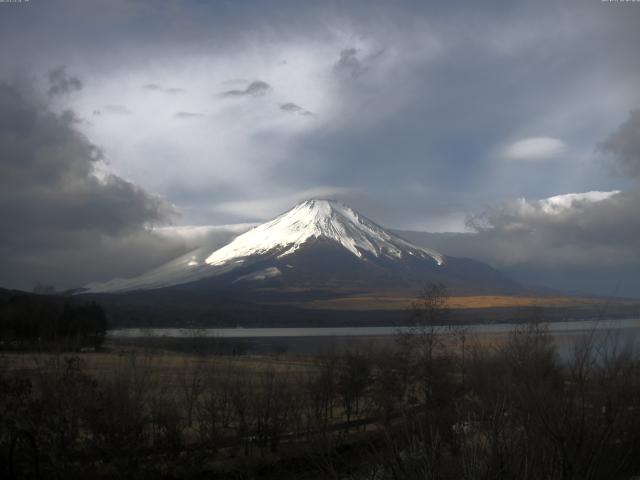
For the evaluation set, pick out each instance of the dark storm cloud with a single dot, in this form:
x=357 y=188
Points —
x=255 y=88
x=188 y=115
x=293 y=108
x=64 y=218
x=624 y=146
x=61 y=83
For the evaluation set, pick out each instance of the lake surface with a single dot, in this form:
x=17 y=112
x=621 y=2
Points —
x=632 y=324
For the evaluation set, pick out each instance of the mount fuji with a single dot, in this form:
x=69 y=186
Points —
x=317 y=246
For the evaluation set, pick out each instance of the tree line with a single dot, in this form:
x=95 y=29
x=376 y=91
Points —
x=28 y=320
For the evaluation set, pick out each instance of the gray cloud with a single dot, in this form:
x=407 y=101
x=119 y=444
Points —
x=590 y=245
x=349 y=64
x=293 y=108
x=255 y=88
x=586 y=232
x=154 y=87
x=588 y=248
x=69 y=218
x=188 y=115
x=61 y=83
x=115 y=109
x=353 y=63
x=624 y=145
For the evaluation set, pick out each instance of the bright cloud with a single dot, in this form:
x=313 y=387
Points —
x=267 y=208
x=560 y=203
x=534 y=148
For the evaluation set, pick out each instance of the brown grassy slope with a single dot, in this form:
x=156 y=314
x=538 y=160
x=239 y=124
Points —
x=392 y=302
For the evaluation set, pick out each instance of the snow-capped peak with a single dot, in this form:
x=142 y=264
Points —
x=315 y=219
x=282 y=236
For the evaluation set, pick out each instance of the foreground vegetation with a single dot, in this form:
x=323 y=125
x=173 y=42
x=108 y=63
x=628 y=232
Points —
x=438 y=404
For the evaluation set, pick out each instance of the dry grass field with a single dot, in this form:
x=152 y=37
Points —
x=400 y=302
x=130 y=411
x=166 y=367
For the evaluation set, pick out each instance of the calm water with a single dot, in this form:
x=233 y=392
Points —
x=631 y=326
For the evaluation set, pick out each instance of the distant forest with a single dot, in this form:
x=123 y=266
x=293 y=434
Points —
x=31 y=320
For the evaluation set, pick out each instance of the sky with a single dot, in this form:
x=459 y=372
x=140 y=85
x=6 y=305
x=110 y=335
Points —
x=134 y=131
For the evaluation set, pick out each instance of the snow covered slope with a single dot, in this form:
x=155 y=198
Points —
x=314 y=219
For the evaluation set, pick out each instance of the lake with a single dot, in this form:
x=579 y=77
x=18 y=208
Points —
x=314 y=340
x=576 y=326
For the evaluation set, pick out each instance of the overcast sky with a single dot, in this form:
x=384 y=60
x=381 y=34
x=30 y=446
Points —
x=482 y=117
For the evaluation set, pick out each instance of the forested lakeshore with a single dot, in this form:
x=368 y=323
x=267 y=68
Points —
x=433 y=404
x=30 y=321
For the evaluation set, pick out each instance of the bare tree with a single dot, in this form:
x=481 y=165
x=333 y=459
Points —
x=191 y=385
x=353 y=379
